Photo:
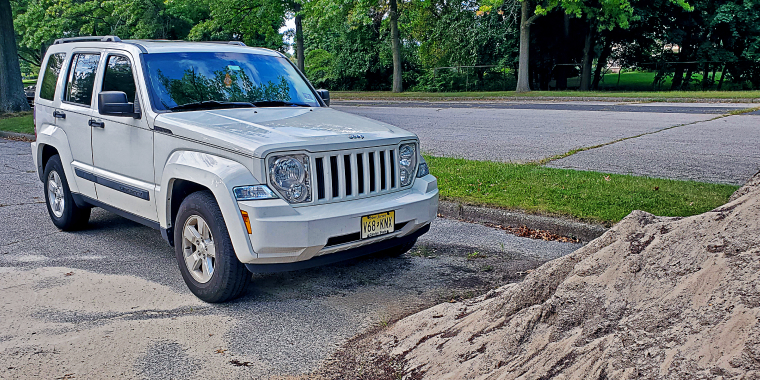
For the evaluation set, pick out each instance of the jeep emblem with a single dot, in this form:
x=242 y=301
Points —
x=353 y=137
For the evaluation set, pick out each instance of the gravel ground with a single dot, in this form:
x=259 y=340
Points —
x=109 y=301
x=712 y=151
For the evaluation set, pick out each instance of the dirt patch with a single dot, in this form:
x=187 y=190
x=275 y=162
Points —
x=71 y=323
x=654 y=297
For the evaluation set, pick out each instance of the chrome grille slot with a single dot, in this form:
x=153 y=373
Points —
x=383 y=173
x=335 y=176
x=348 y=178
x=360 y=172
x=355 y=173
x=320 y=166
x=372 y=174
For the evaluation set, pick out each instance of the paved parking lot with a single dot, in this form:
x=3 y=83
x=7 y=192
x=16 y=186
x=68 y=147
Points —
x=109 y=302
x=680 y=141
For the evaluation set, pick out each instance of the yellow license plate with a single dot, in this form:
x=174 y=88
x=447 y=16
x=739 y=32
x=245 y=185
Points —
x=378 y=224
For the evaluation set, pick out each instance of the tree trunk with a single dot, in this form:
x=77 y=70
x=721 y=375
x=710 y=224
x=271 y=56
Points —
x=12 y=96
x=561 y=71
x=677 y=77
x=722 y=76
x=523 y=78
x=683 y=56
x=601 y=63
x=687 y=77
x=299 y=38
x=396 y=47
x=588 y=56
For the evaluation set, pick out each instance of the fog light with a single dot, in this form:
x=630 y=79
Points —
x=423 y=169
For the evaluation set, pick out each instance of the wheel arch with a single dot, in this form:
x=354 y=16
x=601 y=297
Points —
x=187 y=172
x=52 y=140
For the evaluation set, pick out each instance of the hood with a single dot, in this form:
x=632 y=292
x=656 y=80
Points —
x=258 y=131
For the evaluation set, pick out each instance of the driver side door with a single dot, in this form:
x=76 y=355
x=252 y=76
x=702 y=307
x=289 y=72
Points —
x=122 y=146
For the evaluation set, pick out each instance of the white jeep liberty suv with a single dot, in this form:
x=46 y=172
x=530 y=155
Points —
x=229 y=151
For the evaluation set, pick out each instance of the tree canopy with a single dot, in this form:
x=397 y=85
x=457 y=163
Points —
x=439 y=45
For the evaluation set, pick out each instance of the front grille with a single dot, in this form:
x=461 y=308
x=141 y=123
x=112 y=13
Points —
x=354 y=173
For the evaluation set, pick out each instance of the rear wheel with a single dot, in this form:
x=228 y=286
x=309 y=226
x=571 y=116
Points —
x=65 y=214
x=204 y=250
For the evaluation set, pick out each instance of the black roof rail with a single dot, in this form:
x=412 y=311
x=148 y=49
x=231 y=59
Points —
x=238 y=43
x=87 y=39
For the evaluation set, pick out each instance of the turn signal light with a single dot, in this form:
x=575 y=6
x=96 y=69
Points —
x=247 y=221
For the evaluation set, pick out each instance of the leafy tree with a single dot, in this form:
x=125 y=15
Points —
x=39 y=22
x=599 y=14
x=370 y=20
x=318 y=65
x=256 y=22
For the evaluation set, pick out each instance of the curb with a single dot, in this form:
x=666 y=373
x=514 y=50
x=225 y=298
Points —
x=584 y=232
x=17 y=136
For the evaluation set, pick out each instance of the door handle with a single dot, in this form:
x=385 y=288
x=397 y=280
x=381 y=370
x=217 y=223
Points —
x=59 y=115
x=97 y=124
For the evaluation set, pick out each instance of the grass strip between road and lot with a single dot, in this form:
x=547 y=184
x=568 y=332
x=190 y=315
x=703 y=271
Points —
x=650 y=96
x=584 y=195
x=20 y=122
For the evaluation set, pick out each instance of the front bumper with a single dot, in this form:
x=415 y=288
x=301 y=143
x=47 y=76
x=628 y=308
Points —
x=286 y=234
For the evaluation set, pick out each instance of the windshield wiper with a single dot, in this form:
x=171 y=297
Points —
x=279 y=103
x=211 y=104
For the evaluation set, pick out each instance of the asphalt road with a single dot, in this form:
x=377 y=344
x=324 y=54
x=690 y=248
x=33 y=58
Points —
x=109 y=301
x=680 y=141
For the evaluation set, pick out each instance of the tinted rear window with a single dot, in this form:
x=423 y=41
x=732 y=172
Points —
x=82 y=78
x=50 y=76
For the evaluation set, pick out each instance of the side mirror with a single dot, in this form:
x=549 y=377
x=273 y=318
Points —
x=325 y=95
x=114 y=103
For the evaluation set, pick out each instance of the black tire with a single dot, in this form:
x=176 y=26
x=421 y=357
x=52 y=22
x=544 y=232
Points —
x=399 y=249
x=72 y=217
x=229 y=277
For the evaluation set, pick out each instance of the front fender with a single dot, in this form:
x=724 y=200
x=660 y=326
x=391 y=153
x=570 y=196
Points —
x=218 y=174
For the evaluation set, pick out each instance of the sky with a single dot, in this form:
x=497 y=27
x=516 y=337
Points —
x=290 y=24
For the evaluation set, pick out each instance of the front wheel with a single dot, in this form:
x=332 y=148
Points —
x=204 y=250
x=64 y=213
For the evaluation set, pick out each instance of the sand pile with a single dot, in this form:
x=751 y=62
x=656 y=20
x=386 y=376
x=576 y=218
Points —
x=654 y=297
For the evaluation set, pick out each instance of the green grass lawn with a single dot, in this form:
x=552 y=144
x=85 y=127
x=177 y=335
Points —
x=589 y=196
x=18 y=122
x=29 y=82
x=642 y=95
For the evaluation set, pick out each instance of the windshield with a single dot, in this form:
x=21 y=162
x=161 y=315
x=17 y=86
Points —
x=187 y=81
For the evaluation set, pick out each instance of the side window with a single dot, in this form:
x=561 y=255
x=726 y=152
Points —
x=118 y=76
x=81 y=78
x=50 y=76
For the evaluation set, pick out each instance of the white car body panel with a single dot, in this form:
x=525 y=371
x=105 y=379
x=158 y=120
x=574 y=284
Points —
x=218 y=174
x=219 y=150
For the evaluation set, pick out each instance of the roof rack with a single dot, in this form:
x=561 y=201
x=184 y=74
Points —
x=238 y=43
x=87 y=39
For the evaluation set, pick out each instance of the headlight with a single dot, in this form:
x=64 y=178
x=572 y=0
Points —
x=423 y=169
x=252 y=193
x=407 y=163
x=290 y=177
